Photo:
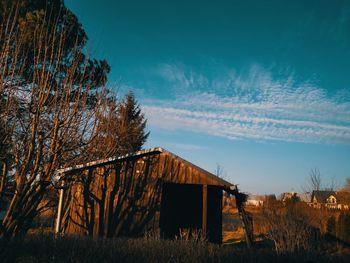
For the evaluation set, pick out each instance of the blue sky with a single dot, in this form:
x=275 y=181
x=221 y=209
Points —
x=261 y=87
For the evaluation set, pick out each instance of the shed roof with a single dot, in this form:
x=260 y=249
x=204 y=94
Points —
x=218 y=181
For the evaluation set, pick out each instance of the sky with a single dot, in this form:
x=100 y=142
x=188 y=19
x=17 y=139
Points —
x=261 y=88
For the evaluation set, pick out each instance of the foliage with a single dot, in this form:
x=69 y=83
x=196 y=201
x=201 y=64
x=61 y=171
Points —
x=47 y=21
x=131 y=126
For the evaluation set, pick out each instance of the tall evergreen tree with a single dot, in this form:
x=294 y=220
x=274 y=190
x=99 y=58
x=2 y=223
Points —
x=121 y=128
x=131 y=132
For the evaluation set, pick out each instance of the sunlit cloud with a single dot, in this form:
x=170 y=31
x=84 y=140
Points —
x=254 y=105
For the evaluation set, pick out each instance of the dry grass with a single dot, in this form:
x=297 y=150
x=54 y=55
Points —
x=47 y=248
x=41 y=246
x=229 y=237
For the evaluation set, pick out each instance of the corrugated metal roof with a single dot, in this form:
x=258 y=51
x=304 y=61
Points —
x=108 y=160
x=156 y=150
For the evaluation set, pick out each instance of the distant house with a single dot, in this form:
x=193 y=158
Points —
x=344 y=197
x=326 y=199
x=255 y=200
x=289 y=196
x=305 y=197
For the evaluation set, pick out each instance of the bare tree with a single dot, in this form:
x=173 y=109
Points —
x=347 y=185
x=315 y=182
x=333 y=185
x=219 y=170
x=50 y=114
x=121 y=127
x=8 y=55
x=289 y=228
x=105 y=143
x=315 y=179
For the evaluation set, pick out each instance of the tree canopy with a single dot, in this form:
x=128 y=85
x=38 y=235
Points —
x=131 y=125
x=35 y=23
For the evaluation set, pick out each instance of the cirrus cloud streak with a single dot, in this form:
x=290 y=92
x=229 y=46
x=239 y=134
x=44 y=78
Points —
x=251 y=106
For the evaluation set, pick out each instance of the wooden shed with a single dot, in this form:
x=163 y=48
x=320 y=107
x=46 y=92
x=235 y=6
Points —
x=150 y=190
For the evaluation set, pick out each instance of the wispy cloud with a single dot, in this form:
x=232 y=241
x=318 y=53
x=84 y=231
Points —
x=254 y=105
x=181 y=78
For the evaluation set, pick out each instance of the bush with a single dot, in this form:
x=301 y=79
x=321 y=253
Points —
x=331 y=227
x=290 y=229
x=343 y=227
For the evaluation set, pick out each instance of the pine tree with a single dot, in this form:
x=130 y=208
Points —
x=131 y=126
x=121 y=128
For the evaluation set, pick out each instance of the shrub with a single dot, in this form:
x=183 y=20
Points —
x=331 y=227
x=290 y=230
x=343 y=227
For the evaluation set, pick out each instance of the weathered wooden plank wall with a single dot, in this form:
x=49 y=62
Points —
x=125 y=198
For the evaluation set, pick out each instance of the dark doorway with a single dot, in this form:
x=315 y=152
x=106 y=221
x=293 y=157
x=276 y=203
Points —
x=214 y=212
x=181 y=207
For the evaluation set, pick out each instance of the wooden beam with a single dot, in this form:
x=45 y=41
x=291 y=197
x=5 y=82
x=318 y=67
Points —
x=247 y=223
x=205 y=209
x=59 y=210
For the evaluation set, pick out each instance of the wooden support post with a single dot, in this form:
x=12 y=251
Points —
x=246 y=227
x=59 y=210
x=205 y=210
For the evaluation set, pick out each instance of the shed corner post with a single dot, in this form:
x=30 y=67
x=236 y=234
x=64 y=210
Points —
x=245 y=219
x=59 y=209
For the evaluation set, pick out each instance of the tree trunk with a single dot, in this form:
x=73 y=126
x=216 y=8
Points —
x=3 y=177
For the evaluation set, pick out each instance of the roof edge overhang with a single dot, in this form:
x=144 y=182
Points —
x=227 y=186
x=108 y=160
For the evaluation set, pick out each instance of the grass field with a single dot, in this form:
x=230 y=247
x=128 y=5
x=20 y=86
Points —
x=48 y=248
x=40 y=245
